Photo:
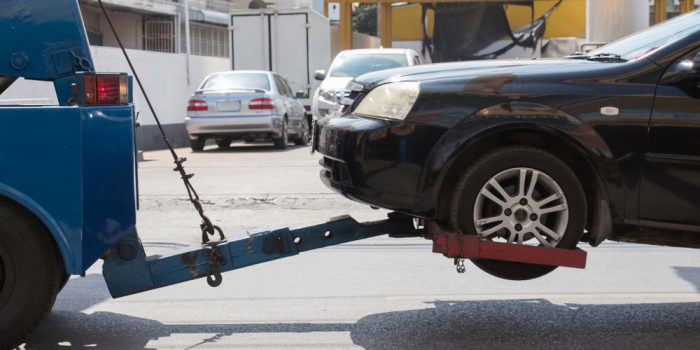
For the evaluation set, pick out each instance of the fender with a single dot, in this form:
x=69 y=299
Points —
x=71 y=258
x=523 y=117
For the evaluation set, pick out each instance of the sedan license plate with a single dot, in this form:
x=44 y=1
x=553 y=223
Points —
x=228 y=106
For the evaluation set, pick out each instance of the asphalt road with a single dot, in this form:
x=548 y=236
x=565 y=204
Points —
x=379 y=293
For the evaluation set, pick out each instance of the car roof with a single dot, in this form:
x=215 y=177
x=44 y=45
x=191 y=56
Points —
x=377 y=51
x=243 y=71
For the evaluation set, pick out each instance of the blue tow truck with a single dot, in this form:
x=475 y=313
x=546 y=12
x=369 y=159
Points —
x=68 y=186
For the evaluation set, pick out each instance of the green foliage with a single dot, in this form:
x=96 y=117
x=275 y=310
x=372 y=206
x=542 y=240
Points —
x=364 y=20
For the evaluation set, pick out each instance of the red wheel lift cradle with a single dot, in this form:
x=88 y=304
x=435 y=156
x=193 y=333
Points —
x=454 y=244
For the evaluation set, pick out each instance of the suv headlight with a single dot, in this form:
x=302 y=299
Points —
x=327 y=95
x=390 y=101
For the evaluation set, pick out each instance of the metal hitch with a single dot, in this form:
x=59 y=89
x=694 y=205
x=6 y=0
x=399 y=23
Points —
x=454 y=244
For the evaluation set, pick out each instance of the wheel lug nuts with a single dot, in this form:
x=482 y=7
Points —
x=518 y=227
x=523 y=201
x=533 y=217
x=508 y=212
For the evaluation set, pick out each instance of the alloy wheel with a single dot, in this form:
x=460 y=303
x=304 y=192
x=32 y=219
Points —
x=521 y=206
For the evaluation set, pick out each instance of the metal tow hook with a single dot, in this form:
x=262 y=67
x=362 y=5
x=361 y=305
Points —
x=214 y=277
x=459 y=263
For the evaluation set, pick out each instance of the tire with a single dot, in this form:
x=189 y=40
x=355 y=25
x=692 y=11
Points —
x=564 y=216
x=223 y=143
x=305 y=134
x=197 y=145
x=282 y=141
x=30 y=273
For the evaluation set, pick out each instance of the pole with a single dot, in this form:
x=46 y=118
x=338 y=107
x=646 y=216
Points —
x=187 y=39
x=385 y=33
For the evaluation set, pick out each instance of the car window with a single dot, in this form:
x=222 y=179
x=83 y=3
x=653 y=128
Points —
x=643 y=43
x=416 y=60
x=288 y=87
x=350 y=65
x=278 y=83
x=236 y=80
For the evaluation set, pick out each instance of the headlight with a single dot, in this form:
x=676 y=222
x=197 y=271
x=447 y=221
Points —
x=327 y=95
x=390 y=101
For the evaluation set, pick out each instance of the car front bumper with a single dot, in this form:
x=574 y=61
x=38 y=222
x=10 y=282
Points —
x=374 y=161
x=234 y=125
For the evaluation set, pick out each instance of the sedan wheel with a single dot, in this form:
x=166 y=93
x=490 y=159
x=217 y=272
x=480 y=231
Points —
x=197 y=145
x=304 y=134
x=520 y=196
x=282 y=141
x=223 y=143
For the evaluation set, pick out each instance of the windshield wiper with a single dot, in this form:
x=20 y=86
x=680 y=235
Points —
x=602 y=57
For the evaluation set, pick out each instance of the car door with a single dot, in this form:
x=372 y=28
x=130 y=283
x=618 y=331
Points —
x=297 y=108
x=670 y=188
x=283 y=95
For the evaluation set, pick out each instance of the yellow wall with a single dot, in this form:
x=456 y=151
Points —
x=566 y=21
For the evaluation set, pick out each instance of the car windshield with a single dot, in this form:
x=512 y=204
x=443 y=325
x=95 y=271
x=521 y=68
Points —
x=353 y=65
x=643 y=43
x=235 y=80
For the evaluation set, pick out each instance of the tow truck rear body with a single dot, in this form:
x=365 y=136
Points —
x=72 y=168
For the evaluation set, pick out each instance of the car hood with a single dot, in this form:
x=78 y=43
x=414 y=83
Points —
x=510 y=69
x=335 y=83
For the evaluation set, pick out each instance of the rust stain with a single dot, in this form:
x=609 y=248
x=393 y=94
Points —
x=190 y=261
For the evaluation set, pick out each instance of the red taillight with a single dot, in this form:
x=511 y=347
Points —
x=261 y=103
x=106 y=89
x=197 y=106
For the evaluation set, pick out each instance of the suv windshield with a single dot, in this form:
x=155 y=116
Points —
x=353 y=65
x=647 y=41
x=233 y=81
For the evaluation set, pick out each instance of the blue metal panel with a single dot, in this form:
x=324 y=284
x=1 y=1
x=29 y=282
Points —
x=132 y=273
x=74 y=168
x=41 y=168
x=43 y=40
x=109 y=178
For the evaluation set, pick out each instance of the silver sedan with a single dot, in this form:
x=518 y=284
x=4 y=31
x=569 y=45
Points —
x=248 y=105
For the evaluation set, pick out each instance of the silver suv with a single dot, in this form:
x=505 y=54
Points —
x=248 y=105
x=349 y=64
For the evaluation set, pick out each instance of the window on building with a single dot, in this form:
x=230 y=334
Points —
x=158 y=34
x=208 y=40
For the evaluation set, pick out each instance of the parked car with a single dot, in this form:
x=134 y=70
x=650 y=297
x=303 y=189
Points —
x=248 y=105
x=533 y=151
x=349 y=64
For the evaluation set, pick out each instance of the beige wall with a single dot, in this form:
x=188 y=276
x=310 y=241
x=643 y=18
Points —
x=359 y=41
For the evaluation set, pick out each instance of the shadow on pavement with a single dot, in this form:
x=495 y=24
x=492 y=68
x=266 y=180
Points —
x=250 y=148
x=690 y=274
x=506 y=324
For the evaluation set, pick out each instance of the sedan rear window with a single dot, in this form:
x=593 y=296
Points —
x=356 y=65
x=233 y=81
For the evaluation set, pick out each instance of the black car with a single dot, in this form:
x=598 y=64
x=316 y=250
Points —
x=604 y=145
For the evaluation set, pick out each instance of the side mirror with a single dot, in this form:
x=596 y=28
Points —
x=320 y=74
x=696 y=64
x=689 y=67
x=301 y=94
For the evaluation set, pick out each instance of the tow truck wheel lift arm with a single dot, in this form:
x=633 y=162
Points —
x=127 y=270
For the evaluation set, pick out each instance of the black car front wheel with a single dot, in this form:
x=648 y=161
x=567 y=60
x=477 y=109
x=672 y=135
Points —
x=520 y=195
